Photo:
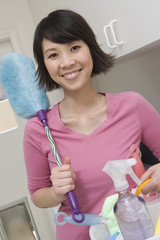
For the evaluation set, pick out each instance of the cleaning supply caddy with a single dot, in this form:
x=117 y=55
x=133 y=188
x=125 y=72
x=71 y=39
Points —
x=130 y=211
x=136 y=218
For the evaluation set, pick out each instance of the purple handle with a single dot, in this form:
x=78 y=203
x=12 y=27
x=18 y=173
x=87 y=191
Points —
x=41 y=114
x=73 y=201
x=75 y=207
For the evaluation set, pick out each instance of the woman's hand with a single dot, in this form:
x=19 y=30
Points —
x=63 y=179
x=154 y=184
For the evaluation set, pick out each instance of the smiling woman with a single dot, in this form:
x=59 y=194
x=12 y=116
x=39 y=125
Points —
x=89 y=128
x=70 y=64
x=69 y=27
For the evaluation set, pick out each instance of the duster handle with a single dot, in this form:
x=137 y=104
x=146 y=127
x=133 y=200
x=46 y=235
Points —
x=41 y=114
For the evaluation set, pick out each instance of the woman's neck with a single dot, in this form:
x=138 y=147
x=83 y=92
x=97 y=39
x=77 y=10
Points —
x=79 y=102
x=83 y=113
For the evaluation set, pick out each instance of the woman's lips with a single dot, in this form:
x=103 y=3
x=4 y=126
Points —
x=71 y=75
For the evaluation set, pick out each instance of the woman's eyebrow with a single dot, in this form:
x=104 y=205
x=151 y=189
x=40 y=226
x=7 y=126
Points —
x=50 y=50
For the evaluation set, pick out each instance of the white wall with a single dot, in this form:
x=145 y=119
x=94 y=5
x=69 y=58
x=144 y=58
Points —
x=17 y=14
x=140 y=74
x=13 y=182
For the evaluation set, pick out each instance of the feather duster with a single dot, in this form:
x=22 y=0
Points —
x=19 y=80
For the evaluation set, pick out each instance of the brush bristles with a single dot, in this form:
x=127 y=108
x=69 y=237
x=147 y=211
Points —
x=19 y=80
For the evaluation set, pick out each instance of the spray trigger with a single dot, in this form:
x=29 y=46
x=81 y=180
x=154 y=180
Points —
x=117 y=169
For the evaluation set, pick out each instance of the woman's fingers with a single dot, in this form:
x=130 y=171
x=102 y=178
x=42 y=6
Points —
x=63 y=178
x=154 y=184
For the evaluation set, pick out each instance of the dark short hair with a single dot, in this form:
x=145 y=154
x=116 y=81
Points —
x=65 y=26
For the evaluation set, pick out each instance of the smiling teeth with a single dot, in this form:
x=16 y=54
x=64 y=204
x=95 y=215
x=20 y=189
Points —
x=71 y=75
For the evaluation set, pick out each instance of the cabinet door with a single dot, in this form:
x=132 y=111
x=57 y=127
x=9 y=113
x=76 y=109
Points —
x=138 y=23
x=96 y=13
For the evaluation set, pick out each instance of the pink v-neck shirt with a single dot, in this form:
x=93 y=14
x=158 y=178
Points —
x=130 y=119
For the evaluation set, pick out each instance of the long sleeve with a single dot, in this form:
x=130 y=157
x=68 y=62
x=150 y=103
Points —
x=150 y=125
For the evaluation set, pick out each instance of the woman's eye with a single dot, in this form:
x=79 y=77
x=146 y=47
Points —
x=76 y=47
x=53 y=55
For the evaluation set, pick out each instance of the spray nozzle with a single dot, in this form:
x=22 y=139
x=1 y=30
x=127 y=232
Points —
x=118 y=169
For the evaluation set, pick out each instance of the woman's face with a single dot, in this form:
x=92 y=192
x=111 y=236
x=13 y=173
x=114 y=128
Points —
x=70 y=65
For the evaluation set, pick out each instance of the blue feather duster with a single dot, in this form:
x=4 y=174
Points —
x=19 y=80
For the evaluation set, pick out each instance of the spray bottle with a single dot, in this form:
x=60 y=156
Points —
x=130 y=211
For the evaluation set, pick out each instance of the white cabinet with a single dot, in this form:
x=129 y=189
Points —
x=138 y=24
x=135 y=24
x=95 y=12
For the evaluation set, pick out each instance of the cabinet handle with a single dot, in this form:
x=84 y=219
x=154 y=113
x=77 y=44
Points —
x=113 y=32
x=105 y=29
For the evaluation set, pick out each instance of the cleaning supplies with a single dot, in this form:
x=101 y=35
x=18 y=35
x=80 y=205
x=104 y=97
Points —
x=28 y=99
x=138 y=167
x=157 y=228
x=140 y=170
x=107 y=211
x=153 y=204
x=61 y=218
x=141 y=186
x=18 y=78
x=130 y=211
x=99 y=232
x=114 y=236
x=110 y=227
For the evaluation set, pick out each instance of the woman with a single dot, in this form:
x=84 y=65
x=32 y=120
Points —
x=89 y=128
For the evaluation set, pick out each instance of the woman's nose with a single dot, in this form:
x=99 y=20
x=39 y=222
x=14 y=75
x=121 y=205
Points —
x=67 y=61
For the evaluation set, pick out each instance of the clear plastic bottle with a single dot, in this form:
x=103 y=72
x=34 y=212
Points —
x=130 y=211
x=132 y=216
